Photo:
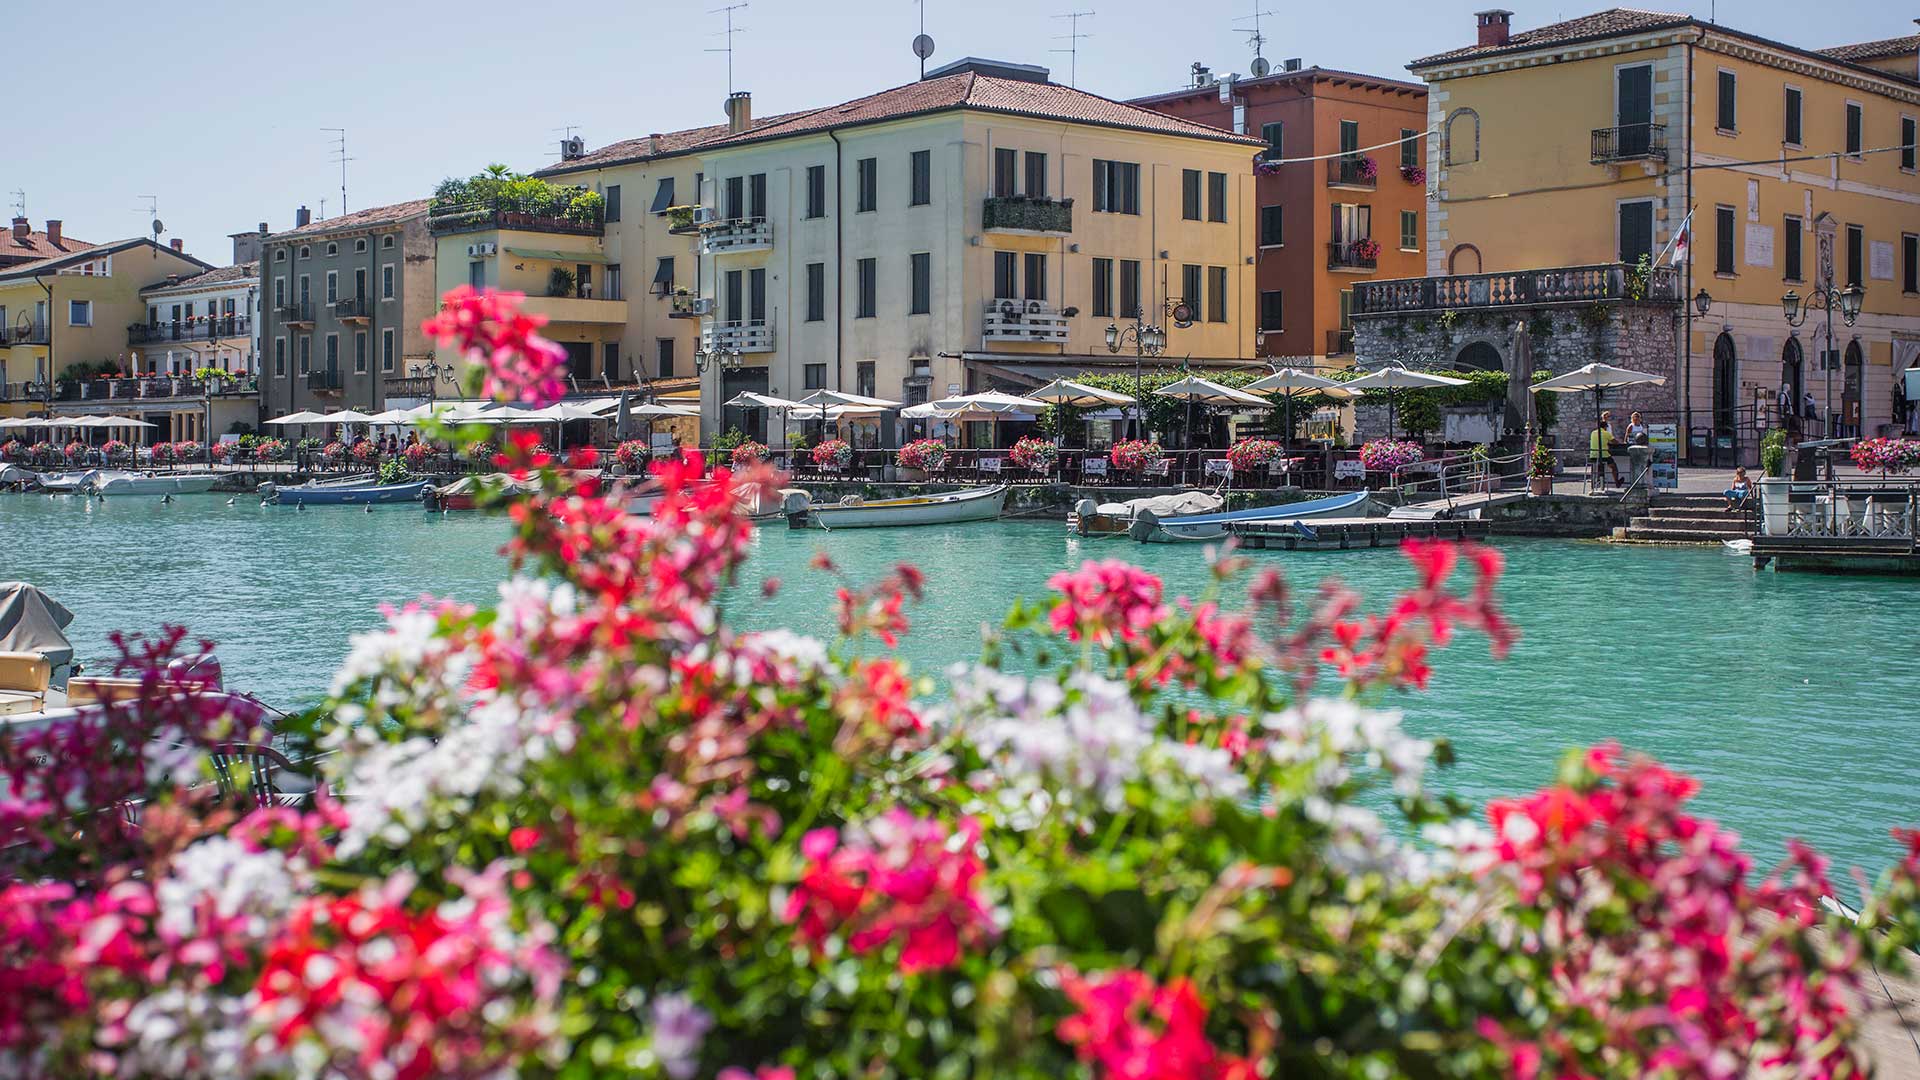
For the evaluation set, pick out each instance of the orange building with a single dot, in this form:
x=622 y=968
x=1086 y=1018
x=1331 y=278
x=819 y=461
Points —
x=1321 y=225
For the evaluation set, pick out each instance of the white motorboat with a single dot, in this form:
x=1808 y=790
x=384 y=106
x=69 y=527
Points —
x=1148 y=528
x=1088 y=518
x=853 y=512
x=63 y=481
x=115 y=482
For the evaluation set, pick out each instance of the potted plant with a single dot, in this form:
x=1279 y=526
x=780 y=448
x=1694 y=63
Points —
x=748 y=453
x=1249 y=454
x=162 y=453
x=1390 y=455
x=482 y=452
x=1369 y=168
x=1773 y=453
x=418 y=454
x=13 y=450
x=1036 y=454
x=1540 y=469
x=922 y=457
x=631 y=456
x=1134 y=455
x=1367 y=249
x=1413 y=174
x=114 y=450
x=365 y=452
x=833 y=454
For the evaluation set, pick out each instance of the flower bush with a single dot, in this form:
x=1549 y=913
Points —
x=162 y=453
x=418 y=454
x=1369 y=168
x=833 y=454
x=1036 y=454
x=266 y=450
x=115 y=450
x=1413 y=174
x=1886 y=455
x=75 y=450
x=393 y=471
x=1250 y=454
x=334 y=452
x=928 y=454
x=748 y=453
x=365 y=451
x=221 y=451
x=1366 y=248
x=633 y=455
x=1387 y=455
x=482 y=452
x=188 y=450
x=13 y=450
x=1134 y=455
x=591 y=830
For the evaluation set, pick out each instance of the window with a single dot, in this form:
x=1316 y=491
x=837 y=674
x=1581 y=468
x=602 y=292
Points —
x=306 y=252
x=816 y=191
x=1909 y=263
x=869 y=176
x=1409 y=230
x=386 y=282
x=1790 y=133
x=1129 y=288
x=921 y=264
x=733 y=198
x=863 y=378
x=280 y=357
x=1460 y=138
x=663 y=357
x=279 y=292
x=1792 y=234
x=757 y=195
x=1409 y=148
x=360 y=352
x=1103 y=288
x=360 y=283
x=279 y=254
x=1635 y=228
x=306 y=353
x=1275 y=135
x=79 y=313
x=1723 y=239
x=1190 y=194
x=1853 y=128
x=1036 y=175
x=1350 y=137
x=1907 y=140
x=866 y=284
x=1271 y=312
x=1727 y=115
x=386 y=349
x=816 y=292
x=1216 y=196
x=814 y=377
x=1116 y=187
x=306 y=290
x=1216 y=294
x=610 y=361
x=333 y=286
x=1006 y=275
x=612 y=289
x=612 y=197
x=1856 y=248
x=757 y=294
x=920 y=165
x=386 y=243
x=360 y=245
x=1190 y=287
x=332 y=249
x=1036 y=276
x=1004 y=162
x=1272 y=227
x=333 y=353
x=662 y=196
x=477 y=274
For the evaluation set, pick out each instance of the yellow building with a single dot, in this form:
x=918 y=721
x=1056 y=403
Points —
x=1589 y=141
x=67 y=320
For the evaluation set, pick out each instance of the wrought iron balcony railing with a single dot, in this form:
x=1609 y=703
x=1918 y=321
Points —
x=1018 y=212
x=1518 y=288
x=1630 y=142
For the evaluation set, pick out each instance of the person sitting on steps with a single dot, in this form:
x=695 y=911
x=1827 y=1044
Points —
x=1741 y=490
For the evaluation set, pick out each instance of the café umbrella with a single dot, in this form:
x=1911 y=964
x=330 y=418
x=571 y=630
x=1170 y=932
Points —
x=989 y=405
x=1079 y=395
x=822 y=398
x=1394 y=378
x=1597 y=378
x=1195 y=390
x=1291 y=383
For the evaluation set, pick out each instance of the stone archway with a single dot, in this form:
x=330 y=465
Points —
x=1479 y=355
x=1726 y=384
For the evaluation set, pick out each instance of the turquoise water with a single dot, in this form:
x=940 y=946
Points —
x=1793 y=697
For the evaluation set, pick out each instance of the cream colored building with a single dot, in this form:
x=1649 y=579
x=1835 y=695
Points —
x=1589 y=141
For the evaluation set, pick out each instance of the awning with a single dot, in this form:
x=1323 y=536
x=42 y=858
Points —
x=663 y=274
x=663 y=195
x=550 y=255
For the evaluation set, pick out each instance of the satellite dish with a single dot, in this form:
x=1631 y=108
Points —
x=158 y=227
x=1261 y=65
x=922 y=46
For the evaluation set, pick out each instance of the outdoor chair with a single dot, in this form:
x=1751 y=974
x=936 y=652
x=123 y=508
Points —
x=1093 y=470
x=24 y=678
x=990 y=467
x=260 y=775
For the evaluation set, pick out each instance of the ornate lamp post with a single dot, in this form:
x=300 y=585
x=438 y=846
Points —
x=1848 y=301
x=1148 y=340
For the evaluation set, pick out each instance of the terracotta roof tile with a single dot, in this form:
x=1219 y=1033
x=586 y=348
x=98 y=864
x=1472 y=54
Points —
x=36 y=246
x=81 y=255
x=1601 y=24
x=988 y=93
x=643 y=148
x=1876 y=50
x=224 y=275
x=360 y=219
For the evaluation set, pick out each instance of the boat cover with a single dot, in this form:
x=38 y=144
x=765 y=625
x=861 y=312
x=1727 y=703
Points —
x=1178 y=504
x=1283 y=512
x=32 y=621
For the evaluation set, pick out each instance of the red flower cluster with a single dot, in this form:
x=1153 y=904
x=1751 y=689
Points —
x=1104 y=601
x=1131 y=1029
x=899 y=879
x=53 y=945
x=879 y=608
x=489 y=329
x=1393 y=650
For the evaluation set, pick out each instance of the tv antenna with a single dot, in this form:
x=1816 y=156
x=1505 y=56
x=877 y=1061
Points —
x=1072 y=37
x=1254 y=37
x=729 y=32
x=152 y=212
x=19 y=202
x=340 y=155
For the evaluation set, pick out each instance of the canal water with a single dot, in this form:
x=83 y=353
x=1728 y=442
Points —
x=1794 y=698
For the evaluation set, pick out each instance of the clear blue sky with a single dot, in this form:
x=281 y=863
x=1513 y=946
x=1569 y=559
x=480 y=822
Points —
x=217 y=107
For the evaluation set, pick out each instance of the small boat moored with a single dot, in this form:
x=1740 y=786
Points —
x=104 y=482
x=853 y=512
x=1088 y=518
x=1151 y=529
x=366 y=495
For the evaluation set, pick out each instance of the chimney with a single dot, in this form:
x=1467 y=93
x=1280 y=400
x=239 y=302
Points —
x=653 y=141
x=53 y=230
x=302 y=218
x=1493 y=25
x=263 y=228
x=739 y=112
x=177 y=244
x=21 y=228
x=1292 y=63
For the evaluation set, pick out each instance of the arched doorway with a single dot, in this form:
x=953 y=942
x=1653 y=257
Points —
x=1726 y=385
x=1479 y=356
x=1855 y=368
x=1793 y=373
x=1463 y=259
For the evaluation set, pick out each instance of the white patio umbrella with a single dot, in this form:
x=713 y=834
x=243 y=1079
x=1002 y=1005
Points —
x=823 y=398
x=1291 y=383
x=1078 y=394
x=1597 y=378
x=925 y=411
x=989 y=405
x=1194 y=389
x=747 y=399
x=1394 y=378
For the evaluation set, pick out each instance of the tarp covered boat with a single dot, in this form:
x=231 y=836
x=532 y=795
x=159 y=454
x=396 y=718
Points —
x=946 y=508
x=1114 y=519
x=1148 y=528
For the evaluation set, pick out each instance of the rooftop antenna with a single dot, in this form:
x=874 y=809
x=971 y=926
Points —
x=340 y=155
x=152 y=212
x=19 y=202
x=1072 y=37
x=1254 y=37
x=729 y=31
x=922 y=44
x=323 y=208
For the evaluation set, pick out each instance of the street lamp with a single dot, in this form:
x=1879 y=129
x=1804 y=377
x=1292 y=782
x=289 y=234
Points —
x=1848 y=301
x=726 y=358
x=1702 y=301
x=1148 y=340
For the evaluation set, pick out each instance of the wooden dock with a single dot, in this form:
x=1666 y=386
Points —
x=1349 y=534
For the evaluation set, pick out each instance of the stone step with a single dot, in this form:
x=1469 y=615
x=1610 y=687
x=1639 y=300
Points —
x=1677 y=536
x=1730 y=525
x=1684 y=501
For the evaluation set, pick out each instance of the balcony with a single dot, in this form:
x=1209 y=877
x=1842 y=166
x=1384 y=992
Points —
x=1026 y=322
x=1357 y=173
x=296 y=314
x=447 y=221
x=1630 y=142
x=686 y=306
x=353 y=309
x=743 y=336
x=1018 y=213
x=735 y=235
x=1518 y=288
x=577 y=309
x=204 y=329
x=323 y=380
x=1339 y=342
x=411 y=386
x=154 y=387
x=35 y=333
x=1357 y=256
